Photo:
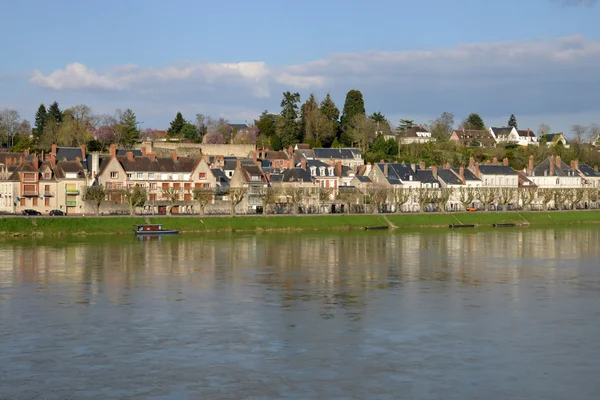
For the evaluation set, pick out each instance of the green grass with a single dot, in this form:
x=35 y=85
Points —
x=23 y=226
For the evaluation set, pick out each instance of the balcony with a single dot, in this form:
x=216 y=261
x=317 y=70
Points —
x=71 y=203
x=30 y=193
x=72 y=191
x=48 y=193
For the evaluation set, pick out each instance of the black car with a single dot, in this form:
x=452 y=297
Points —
x=31 y=212
x=57 y=213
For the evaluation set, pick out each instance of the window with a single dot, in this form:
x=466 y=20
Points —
x=175 y=177
x=202 y=175
x=35 y=201
x=114 y=175
x=153 y=186
x=150 y=175
x=129 y=175
x=140 y=175
x=47 y=202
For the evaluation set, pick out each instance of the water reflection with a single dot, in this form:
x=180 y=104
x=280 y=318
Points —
x=315 y=315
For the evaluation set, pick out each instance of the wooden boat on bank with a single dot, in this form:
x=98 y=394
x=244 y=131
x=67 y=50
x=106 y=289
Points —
x=153 y=230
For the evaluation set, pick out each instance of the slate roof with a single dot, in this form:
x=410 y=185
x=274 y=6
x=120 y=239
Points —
x=588 y=171
x=496 y=170
x=238 y=127
x=503 y=131
x=426 y=176
x=318 y=164
x=303 y=146
x=123 y=152
x=467 y=136
x=469 y=175
x=449 y=177
x=554 y=137
x=296 y=175
x=526 y=133
x=219 y=174
x=524 y=181
x=363 y=179
x=415 y=130
x=342 y=154
x=398 y=172
x=64 y=167
x=543 y=169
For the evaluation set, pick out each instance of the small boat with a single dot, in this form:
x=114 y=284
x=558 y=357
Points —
x=153 y=230
x=461 y=226
x=510 y=225
x=369 y=228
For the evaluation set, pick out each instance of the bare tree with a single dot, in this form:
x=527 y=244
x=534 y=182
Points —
x=561 y=196
x=214 y=138
x=424 y=197
x=506 y=195
x=95 y=196
x=362 y=130
x=487 y=195
x=467 y=196
x=592 y=196
x=578 y=132
x=377 y=196
x=401 y=196
x=350 y=197
x=324 y=195
x=9 y=124
x=203 y=197
x=576 y=196
x=172 y=195
x=294 y=196
x=236 y=195
x=269 y=196
x=441 y=198
x=593 y=132
x=543 y=129
x=547 y=195
x=527 y=195
x=134 y=196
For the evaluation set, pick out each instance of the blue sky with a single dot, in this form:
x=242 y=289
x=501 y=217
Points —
x=534 y=58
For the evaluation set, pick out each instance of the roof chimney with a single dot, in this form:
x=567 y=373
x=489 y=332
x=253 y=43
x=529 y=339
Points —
x=530 y=166
x=113 y=150
x=130 y=155
x=495 y=162
x=461 y=173
x=36 y=161
x=422 y=165
x=596 y=168
x=477 y=170
x=338 y=168
x=528 y=132
x=152 y=156
x=385 y=169
x=144 y=151
x=54 y=148
x=83 y=151
x=173 y=155
x=551 y=159
x=505 y=161
x=434 y=171
x=558 y=162
x=303 y=164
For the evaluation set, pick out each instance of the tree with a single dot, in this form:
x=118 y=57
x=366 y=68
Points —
x=189 y=131
x=95 y=196
x=55 y=113
x=593 y=132
x=269 y=196
x=361 y=130
x=377 y=196
x=201 y=124
x=266 y=124
x=404 y=125
x=294 y=196
x=128 y=129
x=246 y=136
x=236 y=195
x=487 y=195
x=203 y=197
x=512 y=121
x=324 y=195
x=106 y=135
x=547 y=196
x=336 y=144
x=332 y=115
x=578 y=132
x=275 y=143
x=288 y=128
x=506 y=195
x=401 y=196
x=528 y=196
x=50 y=135
x=473 y=122
x=10 y=121
x=176 y=126
x=40 y=121
x=353 y=106
x=135 y=196
x=442 y=127
x=543 y=129
x=377 y=117
x=213 y=138
x=172 y=195
x=309 y=118
x=467 y=196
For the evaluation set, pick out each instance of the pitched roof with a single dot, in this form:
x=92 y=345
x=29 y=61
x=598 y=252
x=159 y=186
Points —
x=560 y=168
x=469 y=175
x=363 y=179
x=316 y=165
x=398 y=172
x=503 y=131
x=426 y=176
x=123 y=152
x=417 y=131
x=335 y=153
x=296 y=175
x=238 y=127
x=448 y=176
x=303 y=146
x=488 y=169
x=524 y=181
x=526 y=133
x=466 y=136
x=588 y=171
x=555 y=137
x=64 y=167
x=219 y=174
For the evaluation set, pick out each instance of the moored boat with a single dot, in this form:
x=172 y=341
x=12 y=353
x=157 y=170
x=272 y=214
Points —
x=153 y=230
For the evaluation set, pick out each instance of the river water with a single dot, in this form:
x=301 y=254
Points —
x=494 y=314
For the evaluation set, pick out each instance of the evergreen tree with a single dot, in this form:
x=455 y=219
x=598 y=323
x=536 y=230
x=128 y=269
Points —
x=473 y=122
x=512 y=121
x=336 y=144
x=275 y=143
x=288 y=128
x=55 y=113
x=40 y=121
x=189 y=131
x=309 y=118
x=354 y=105
x=379 y=144
x=378 y=117
x=266 y=124
x=176 y=126
x=129 y=129
x=329 y=109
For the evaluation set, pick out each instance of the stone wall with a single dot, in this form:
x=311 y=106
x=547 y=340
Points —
x=162 y=149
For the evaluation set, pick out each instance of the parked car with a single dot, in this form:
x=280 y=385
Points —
x=31 y=212
x=57 y=213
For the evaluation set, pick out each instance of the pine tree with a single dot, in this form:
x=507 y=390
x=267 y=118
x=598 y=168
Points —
x=329 y=109
x=354 y=105
x=176 y=126
x=512 y=121
x=129 y=129
x=40 y=121
x=55 y=113
x=275 y=143
x=335 y=144
x=288 y=128
x=309 y=118
x=266 y=124
x=473 y=122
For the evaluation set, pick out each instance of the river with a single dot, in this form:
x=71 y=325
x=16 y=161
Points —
x=433 y=314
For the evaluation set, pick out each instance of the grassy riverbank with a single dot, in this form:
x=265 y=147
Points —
x=35 y=226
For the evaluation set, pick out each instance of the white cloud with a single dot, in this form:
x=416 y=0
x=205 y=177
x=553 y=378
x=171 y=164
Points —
x=526 y=78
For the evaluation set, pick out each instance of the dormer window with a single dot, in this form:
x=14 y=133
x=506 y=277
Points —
x=313 y=171
x=330 y=171
x=322 y=171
